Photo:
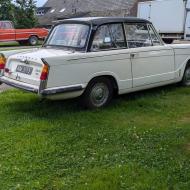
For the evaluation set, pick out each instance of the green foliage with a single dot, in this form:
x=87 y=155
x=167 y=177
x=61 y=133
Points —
x=25 y=14
x=22 y=12
x=140 y=142
x=6 y=10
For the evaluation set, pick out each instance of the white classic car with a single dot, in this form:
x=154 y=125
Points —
x=95 y=58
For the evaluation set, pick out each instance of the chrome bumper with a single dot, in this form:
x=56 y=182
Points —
x=20 y=85
x=42 y=92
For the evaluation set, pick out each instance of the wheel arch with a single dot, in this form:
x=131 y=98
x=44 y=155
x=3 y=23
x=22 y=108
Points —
x=187 y=63
x=111 y=77
x=36 y=35
x=182 y=68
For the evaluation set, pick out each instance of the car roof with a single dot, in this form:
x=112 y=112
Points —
x=104 y=20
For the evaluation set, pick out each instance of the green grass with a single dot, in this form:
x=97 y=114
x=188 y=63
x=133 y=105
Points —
x=13 y=45
x=140 y=142
x=8 y=44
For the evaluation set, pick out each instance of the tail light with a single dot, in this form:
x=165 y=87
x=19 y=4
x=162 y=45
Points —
x=2 y=61
x=45 y=72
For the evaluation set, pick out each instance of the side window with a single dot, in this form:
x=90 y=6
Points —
x=154 y=37
x=3 y=25
x=117 y=33
x=137 y=35
x=108 y=36
x=6 y=25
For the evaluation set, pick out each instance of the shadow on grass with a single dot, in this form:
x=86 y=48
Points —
x=154 y=92
x=31 y=105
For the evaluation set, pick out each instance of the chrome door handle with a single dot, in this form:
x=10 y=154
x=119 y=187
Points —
x=132 y=55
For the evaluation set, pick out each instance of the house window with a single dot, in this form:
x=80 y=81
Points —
x=40 y=13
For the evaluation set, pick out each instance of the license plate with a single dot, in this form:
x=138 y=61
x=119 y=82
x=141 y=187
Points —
x=24 y=69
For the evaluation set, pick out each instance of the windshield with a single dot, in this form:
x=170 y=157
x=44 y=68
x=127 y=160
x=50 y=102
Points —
x=69 y=35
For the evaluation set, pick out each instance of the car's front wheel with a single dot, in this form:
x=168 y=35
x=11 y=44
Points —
x=98 y=93
x=186 y=77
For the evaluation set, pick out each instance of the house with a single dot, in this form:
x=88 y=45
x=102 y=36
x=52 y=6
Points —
x=54 y=10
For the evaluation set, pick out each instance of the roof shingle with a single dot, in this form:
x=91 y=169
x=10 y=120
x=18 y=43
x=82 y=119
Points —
x=76 y=8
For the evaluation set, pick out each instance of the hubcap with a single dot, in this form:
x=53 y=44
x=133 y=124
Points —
x=99 y=94
x=33 y=41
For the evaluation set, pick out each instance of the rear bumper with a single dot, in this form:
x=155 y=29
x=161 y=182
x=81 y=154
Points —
x=20 y=85
x=37 y=90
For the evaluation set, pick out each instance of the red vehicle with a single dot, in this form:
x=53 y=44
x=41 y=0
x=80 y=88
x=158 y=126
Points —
x=23 y=36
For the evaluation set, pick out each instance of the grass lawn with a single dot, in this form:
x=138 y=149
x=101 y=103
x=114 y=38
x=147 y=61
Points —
x=140 y=142
x=15 y=44
x=8 y=44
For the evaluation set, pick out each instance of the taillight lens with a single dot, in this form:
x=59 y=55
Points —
x=45 y=72
x=2 y=61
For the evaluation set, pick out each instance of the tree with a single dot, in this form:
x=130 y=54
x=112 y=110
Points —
x=6 y=10
x=25 y=13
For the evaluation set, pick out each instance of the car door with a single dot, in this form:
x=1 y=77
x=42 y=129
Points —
x=7 y=32
x=152 y=61
x=110 y=55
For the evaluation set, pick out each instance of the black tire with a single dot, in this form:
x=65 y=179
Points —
x=23 y=42
x=33 y=40
x=98 y=93
x=167 y=40
x=186 y=77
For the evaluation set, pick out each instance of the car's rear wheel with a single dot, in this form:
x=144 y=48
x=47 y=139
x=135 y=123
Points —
x=98 y=93
x=186 y=77
x=33 y=40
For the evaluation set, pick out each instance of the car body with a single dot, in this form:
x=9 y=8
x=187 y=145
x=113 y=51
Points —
x=9 y=33
x=93 y=58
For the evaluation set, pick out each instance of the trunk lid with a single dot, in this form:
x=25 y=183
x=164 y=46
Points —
x=27 y=67
x=24 y=70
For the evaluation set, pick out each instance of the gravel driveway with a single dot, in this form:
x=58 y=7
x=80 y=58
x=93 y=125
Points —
x=4 y=87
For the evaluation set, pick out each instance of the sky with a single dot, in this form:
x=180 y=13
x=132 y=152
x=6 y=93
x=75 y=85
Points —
x=40 y=2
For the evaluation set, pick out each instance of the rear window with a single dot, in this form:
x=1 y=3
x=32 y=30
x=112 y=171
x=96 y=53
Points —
x=69 y=35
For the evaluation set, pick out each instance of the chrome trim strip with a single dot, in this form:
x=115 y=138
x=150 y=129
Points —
x=60 y=90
